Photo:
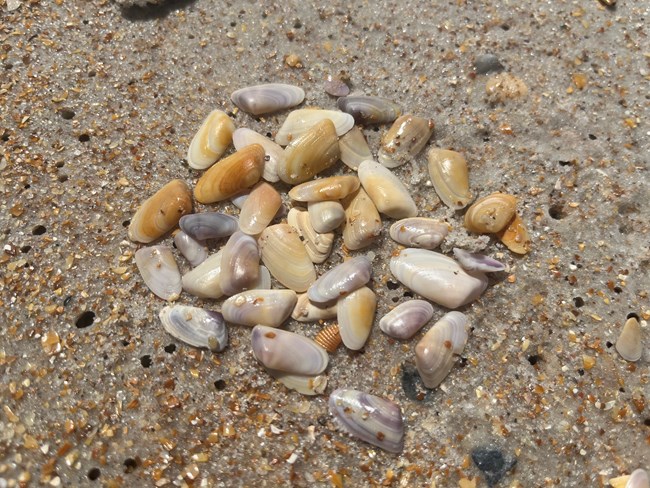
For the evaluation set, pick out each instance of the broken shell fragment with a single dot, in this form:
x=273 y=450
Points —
x=231 y=175
x=434 y=354
x=504 y=86
x=159 y=271
x=370 y=418
x=208 y=225
x=437 y=277
x=404 y=140
x=329 y=338
x=420 y=232
x=630 y=344
x=259 y=307
x=450 y=178
x=405 y=320
x=341 y=280
x=477 y=262
x=211 y=141
x=490 y=214
x=318 y=246
x=300 y=121
x=362 y=221
x=265 y=99
x=325 y=216
x=204 y=281
x=285 y=351
x=356 y=313
x=161 y=212
x=194 y=251
x=515 y=236
x=322 y=189
x=305 y=385
x=259 y=209
x=274 y=153
x=354 y=148
x=195 y=326
x=240 y=264
x=314 y=151
x=306 y=311
x=386 y=191
x=336 y=87
x=286 y=257
x=369 y=110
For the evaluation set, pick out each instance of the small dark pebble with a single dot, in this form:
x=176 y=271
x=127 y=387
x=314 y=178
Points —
x=487 y=63
x=412 y=384
x=492 y=463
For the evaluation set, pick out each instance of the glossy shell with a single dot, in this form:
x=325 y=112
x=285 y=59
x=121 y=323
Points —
x=305 y=385
x=195 y=326
x=240 y=264
x=341 y=280
x=159 y=271
x=325 y=216
x=450 y=177
x=274 y=153
x=329 y=338
x=369 y=110
x=515 y=236
x=194 y=251
x=386 y=191
x=356 y=313
x=264 y=99
x=405 y=320
x=318 y=246
x=260 y=307
x=211 y=141
x=362 y=221
x=354 y=148
x=208 y=225
x=259 y=209
x=300 y=121
x=322 y=189
x=420 y=232
x=307 y=311
x=404 y=140
x=204 y=281
x=477 y=262
x=490 y=214
x=630 y=343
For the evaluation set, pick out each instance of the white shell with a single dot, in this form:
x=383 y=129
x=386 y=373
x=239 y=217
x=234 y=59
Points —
x=354 y=148
x=306 y=385
x=211 y=141
x=477 y=262
x=318 y=246
x=194 y=251
x=356 y=313
x=263 y=307
x=274 y=153
x=240 y=264
x=306 y=311
x=630 y=344
x=387 y=192
x=325 y=216
x=419 y=232
x=405 y=320
x=341 y=280
x=300 y=121
x=204 y=281
x=268 y=98
x=159 y=271
x=195 y=326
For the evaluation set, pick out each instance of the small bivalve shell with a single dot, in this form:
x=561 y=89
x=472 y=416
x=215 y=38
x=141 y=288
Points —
x=377 y=421
x=404 y=140
x=437 y=277
x=342 y=279
x=259 y=307
x=211 y=141
x=420 y=232
x=515 y=236
x=329 y=338
x=325 y=216
x=477 y=262
x=269 y=98
x=434 y=354
x=386 y=191
x=405 y=320
x=314 y=151
x=240 y=264
x=161 y=212
x=450 y=178
x=490 y=214
x=274 y=153
x=305 y=385
x=264 y=281
x=630 y=344
x=204 y=281
x=318 y=246
x=369 y=110
x=356 y=313
x=231 y=175
x=195 y=326
x=159 y=271
x=194 y=251
x=354 y=148
x=306 y=311
x=322 y=189
x=362 y=221
x=638 y=479
x=239 y=199
x=259 y=209
x=285 y=256
x=285 y=351
x=300 y=121
x=208 y=225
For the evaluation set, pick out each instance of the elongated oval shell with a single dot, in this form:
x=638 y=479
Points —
x=265 y=99
x=231 y=175
x=204 y=281
x=369 y=110
x=274 y=153
x=285 y=351
x=240 y=264
x=305 y=385
x=159 y=271
x=300 y=121
x=437 y=277
x=450 y=178
x=211 y=141
x=341 y=280
x=286 y=257
x=354 y=148
x=318 y=246
x=259 y=209
x=404 y=140
x=515 y=236
x=329 y=338
x=307 y=311
x=477 y=262
x=386 y=191
x=325 y=216
x=332 y=188
x=161 y=212
x=370 y=418
x=194 y=251
x=419 y=232
x=434 y=354
x=356 y=313
x=208 y=225
x=630 y=344
x=405 y=320
x=260 y=307
x=195 y=326
x=314 y=151
x=490 y=214
x=362 y=221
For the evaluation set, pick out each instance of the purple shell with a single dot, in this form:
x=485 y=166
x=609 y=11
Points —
x=208 y=225
x=477 y=262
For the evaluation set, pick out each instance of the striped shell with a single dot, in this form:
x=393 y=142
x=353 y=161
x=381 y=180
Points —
x=264 y=99
x=354 y=148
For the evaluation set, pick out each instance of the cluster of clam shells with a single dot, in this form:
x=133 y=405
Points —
x=265 y=267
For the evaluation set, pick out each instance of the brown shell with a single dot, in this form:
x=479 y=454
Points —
x=329 y=338
x=515 y=236
x=490 y=214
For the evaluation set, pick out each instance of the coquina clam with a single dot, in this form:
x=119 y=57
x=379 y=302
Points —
x=274 y=153
x=341 y=280
x=515 y=236
x=362 y=221
x=386 y=191
x=300 y=121
x=354 y=148
x=204 y=281
x=211 y=141
x=630 y=344
x=325 y=216
x=208 y=225
x=260 y=307
x=450 y=178
x=303 y=384
x=490 y=214
x=159 y=271
x=195 y=326
x=307 y=311
x=369 y=109
x=240 y=264
x=259 y=209
x=194 y=251
x=477 y=262
x=421 y=232
x=318 y=246
x=404 y=140
x=356 y=313
x=322 y=189
x=285 y=351
x=264 y=99
x=405 y=320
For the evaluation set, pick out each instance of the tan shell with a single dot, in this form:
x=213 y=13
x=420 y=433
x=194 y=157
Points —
x=161 y=212
x=515 y=236
x=211 y=141
x=629 y=344
x=490 y=214
x=259 y=209
x=362 y=221
x=307 y=311
x=325 y=216
x=314 y=151
x=448 y=172
x=329 y=338
x=504 y=86
x=231 y=175
x=356 y=314
x=286 y=257
x=354 y=148
x=404 y=140
x=386 y=191
x=318 y=246
x=332 y=188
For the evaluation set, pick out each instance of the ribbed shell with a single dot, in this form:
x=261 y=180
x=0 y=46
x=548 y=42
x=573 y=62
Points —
x=318 y=246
